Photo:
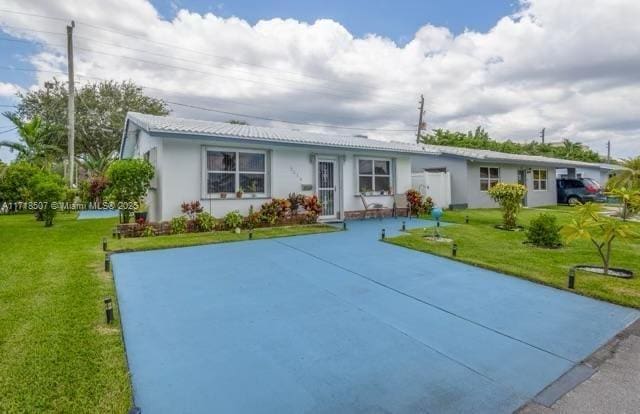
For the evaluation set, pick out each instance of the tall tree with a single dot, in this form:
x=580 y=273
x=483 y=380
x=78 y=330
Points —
x=480 y=139
x=101 y=108
x=37 y=142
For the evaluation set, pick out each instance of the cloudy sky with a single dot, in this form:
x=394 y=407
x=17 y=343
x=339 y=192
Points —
x=511 y=67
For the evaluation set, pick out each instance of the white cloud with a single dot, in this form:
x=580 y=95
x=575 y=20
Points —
x=9 y=89
x=570 y=68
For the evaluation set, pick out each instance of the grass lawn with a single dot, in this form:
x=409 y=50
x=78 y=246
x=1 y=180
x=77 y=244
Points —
x=481 y=244
x=56 y=352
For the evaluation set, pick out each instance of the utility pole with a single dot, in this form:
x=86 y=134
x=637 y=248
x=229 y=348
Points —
x=71 y=109
x=421 y=124
x=608 y=152
x=542 y=134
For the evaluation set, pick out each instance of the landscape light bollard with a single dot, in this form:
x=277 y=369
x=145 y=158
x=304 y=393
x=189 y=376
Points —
x=104 y=244
x=382 y=235
x=108 y=309
x=251 y=234
x=113 y=233
x=344 y=225
x=454 y=250
x=571 y=283
x=107 y=263
x=466 y=219
x=404 y=226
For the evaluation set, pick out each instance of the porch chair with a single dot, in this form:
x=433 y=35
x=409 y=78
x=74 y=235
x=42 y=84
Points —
x=374 y=207
x=400 y=202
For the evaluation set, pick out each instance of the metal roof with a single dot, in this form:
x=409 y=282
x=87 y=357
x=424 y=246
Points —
x=210 y=129
x=171 y=125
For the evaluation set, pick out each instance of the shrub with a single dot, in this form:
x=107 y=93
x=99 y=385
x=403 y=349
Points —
x=275 y=209
x=428 y=204
x=312 y=205
x=509 y=197
x=253 y=218
x=129 y=181
x=15 y=182
x=544 y=231
x=414 y=198
x=48 y=190
x=96 y=189
x=205 y=221
x=178 y=225
x=296 y=201
x=233 y=220
x=191 y=209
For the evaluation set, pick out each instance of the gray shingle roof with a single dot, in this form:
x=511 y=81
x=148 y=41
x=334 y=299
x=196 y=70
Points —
x=183 y=126
x=166 y=124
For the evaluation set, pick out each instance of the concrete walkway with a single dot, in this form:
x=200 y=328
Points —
x=613 y=388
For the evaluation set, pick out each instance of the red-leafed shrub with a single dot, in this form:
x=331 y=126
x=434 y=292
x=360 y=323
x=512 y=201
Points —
x=97 y=185
x=312 y=205
x=414 y=198
x=191 y=208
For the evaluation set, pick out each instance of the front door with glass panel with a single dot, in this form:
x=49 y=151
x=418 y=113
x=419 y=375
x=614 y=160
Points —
x=522 y=180
x=326 y=188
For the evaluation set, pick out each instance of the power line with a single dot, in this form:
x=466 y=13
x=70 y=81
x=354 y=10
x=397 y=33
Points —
x=264 y=118
x=285 y=121
x=8 y=130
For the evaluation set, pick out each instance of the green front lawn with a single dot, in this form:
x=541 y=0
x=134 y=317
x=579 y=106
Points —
x=481 y=244
x=57 y=354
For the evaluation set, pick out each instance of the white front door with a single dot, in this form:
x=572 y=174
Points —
x=326 y=188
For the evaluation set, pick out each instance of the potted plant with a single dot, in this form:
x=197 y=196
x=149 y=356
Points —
x=223 y=195
x=239 y=193
x=140 y=215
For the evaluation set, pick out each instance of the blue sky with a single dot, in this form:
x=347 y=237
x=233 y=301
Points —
x=397 y=20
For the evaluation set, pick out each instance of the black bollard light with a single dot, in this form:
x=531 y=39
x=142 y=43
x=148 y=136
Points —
x=104 y=244
x=466 y=219
x=382 y=234
x=571 y=282
x=454 y=250
x=113 y=233
x=344 y=225
x=108 y=309
x=251 y=234
x=107 y=262
x=404 y=226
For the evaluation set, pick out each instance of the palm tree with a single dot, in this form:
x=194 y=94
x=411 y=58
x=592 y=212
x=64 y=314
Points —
x=629 y=177
x=35 y=144
x=96 y=165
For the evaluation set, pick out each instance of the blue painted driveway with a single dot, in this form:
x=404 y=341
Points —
x=341 y=322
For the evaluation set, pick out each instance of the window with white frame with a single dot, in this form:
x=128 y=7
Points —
x=230 y=171
x=489 y=176
x=374 y=176
x=540 y=180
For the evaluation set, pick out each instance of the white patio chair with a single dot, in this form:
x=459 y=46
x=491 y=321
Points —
x=400 y=202
x=376 y=208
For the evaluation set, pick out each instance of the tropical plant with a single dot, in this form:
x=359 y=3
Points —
x=428 y=204
x=544 y=231
x=47 y=191
x=416 y=204
x=233 y=220
x=179 y=225
x=509 y=197
x=296 y=201
x=591 y=225
x=37 y=141
x=277 y=208
x=630 y=199
x=96 y=165
x=129 y=181
x=205 y=221
x=191 y=208
x=312 y=205
x=629 y=177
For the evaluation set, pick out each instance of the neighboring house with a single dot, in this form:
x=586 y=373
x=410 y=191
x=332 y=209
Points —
x=473 y=171
x=210 y=161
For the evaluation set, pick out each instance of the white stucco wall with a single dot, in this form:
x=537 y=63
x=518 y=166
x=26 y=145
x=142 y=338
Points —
x=181 y=178
x=509 y=174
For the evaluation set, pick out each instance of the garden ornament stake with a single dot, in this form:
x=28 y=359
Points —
x=437 y=213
